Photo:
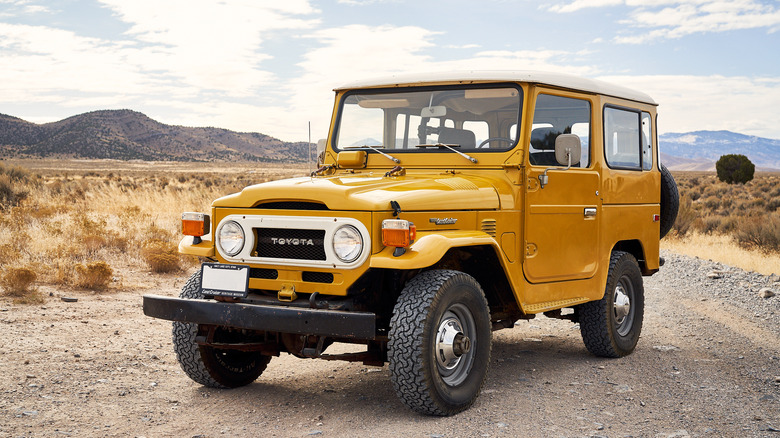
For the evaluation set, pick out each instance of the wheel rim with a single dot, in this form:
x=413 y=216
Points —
x=622 y=309
x=454 y=344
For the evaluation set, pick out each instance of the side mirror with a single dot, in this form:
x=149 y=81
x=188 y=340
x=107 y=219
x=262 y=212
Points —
x=568 y=149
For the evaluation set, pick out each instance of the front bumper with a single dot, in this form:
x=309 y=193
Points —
x=332 y=323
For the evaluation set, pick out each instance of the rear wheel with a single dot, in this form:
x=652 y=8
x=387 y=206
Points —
x=213 y=367
x=440 y=341
x=610 y=327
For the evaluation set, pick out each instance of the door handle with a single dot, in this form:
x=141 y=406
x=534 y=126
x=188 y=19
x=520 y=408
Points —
x=590 y=212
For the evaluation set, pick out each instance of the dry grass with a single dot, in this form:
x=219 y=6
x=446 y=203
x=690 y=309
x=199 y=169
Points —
x=737 y=224
x=82 y=223
x=722 y=248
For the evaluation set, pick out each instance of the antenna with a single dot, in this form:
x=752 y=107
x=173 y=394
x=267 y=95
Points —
x=309 y=146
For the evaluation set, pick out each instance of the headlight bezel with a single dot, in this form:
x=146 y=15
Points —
x=353 y=253
x=230 y=226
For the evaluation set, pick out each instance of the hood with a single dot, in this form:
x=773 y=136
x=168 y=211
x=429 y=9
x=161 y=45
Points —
x=370 y=193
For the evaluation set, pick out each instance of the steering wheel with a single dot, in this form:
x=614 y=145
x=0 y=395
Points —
x=504 y=139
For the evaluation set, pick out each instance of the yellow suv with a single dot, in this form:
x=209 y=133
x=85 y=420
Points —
x=447 y=206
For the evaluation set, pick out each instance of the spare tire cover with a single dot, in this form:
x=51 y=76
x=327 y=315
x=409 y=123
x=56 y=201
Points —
x=670 y=200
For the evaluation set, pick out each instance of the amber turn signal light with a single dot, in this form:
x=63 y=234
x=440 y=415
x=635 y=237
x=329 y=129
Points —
x=398 y=233
x=195 y=224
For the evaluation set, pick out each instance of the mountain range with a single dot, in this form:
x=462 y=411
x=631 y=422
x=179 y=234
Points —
x=700 y=150
x=130 y=135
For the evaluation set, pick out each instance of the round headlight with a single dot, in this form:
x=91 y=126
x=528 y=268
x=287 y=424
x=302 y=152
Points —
x=347 y=243
x=231 y=238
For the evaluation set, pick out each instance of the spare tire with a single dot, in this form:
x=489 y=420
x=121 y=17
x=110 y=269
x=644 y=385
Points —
x=670 y=200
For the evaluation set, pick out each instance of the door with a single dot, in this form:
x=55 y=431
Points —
x=562 y=218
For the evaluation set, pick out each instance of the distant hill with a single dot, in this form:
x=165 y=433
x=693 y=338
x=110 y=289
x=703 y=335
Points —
x=700 y=150
x=130 y=135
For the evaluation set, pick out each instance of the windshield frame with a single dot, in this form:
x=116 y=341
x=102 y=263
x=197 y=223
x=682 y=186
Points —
x=502 y=148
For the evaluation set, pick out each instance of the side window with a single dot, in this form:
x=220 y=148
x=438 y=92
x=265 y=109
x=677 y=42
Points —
x=553 y=116
x=647 y=141
x=623 y=148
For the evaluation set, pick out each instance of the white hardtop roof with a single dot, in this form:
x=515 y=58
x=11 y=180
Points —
x=559 y=80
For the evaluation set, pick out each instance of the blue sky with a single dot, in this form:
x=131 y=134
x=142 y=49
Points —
x=271 y=66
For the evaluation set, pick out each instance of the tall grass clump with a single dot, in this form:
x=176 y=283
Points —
x=94 y=276
x=760 y=233
x=18 y=283
x=161 y=256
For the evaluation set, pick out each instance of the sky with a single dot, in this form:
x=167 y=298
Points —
x=271 y=66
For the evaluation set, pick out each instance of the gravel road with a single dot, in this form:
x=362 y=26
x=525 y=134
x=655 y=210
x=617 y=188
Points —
x=708 y=364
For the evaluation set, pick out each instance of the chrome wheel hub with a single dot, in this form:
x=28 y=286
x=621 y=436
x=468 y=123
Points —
x=451 y=343
x=622 y=305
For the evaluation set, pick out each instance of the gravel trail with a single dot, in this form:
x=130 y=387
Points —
x=708 y=364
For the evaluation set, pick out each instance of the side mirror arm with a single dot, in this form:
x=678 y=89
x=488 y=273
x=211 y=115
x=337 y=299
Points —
x=543 y=178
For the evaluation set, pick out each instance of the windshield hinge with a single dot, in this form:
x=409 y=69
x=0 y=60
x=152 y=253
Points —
x=396 y=171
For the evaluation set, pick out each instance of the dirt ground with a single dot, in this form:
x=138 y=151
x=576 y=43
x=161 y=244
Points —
x=99 y=367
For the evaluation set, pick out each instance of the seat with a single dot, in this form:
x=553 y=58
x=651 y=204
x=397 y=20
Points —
x=465 y=138
x=543 y=139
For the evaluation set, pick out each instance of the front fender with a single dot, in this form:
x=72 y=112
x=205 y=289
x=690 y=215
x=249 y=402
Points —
x=203 y=249
x=429 y=248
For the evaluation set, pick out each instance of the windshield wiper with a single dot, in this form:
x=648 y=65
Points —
x=450 y=147
x=376 y=149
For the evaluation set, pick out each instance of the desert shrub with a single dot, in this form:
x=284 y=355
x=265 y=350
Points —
x=18 y=283
x=710 y=224
x=735 y=168
x=161 y=255
x=772 y=204
x=94 y=275
x=11 y=194
x=686 y=216
x=761 y=233
x=712 y=202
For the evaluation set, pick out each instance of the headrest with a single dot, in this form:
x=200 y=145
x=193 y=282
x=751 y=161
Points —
x=544 y=138
x=465 y=138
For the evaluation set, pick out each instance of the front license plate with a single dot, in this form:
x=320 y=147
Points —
x=224 y=280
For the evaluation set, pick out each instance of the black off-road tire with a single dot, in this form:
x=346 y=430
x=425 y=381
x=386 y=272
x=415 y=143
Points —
x=209 y=366
x=603 y=331
x=670 y=200
x=431 y=305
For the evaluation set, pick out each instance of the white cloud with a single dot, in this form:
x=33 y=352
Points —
x=688 y=103
x=577 y=5
x=211 y=45
x=668 y=19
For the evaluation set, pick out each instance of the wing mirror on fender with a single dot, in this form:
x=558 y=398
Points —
x=568 y=151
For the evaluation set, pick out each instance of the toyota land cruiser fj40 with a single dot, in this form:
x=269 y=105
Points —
x=447 y=206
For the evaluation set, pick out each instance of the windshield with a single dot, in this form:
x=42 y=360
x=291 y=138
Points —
x=477 y=118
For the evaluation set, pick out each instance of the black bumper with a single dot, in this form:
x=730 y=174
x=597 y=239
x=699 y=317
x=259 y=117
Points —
x=333 y=323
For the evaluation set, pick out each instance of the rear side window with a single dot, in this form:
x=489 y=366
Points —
x=623 y=138
x=647 y=141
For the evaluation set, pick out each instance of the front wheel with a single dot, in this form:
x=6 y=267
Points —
x=214 y=367
x=610 y=327
x=440 y=342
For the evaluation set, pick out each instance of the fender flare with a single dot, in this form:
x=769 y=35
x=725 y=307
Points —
x=428 y=249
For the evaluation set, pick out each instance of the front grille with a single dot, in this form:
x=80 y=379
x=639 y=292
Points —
x=266 y=274
x=283 y=243
x=293 y=205
x=317 y=277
